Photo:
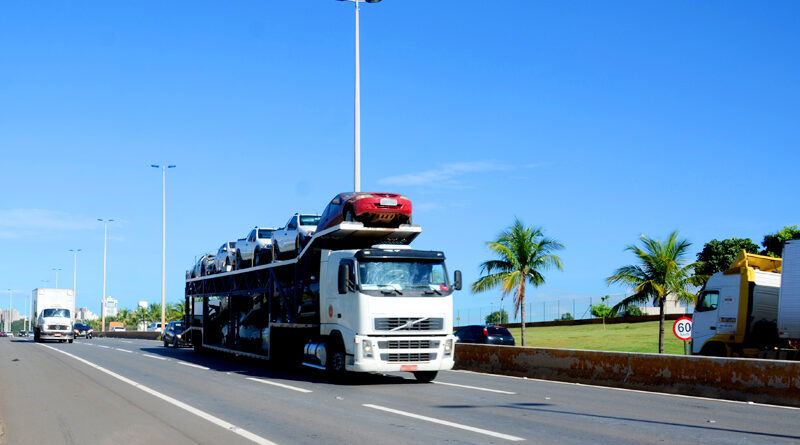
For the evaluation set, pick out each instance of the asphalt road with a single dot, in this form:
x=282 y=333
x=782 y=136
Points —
x=124 y=392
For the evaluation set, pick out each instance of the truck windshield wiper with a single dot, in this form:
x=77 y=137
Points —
x=430 y=291
x=395 y=288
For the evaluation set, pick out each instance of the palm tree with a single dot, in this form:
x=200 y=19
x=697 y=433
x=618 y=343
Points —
x=175 y=311
x=524 y=253
x=662 y=271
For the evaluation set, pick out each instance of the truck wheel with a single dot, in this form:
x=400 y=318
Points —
x=714 y=350
x=425 y=376
x=297 y=247
x=257 y=258
x=165 y=343
x=70 y=340
x=238 y=261
x=277 y=253
x=335 y=364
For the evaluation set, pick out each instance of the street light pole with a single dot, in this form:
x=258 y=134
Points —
x=357 y=138
x=103 y=301
x=163 y=239
x=8 y=318
x=57 y=269
x=75 y=273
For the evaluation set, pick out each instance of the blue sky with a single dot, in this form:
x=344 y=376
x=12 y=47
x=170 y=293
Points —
x=599 y=121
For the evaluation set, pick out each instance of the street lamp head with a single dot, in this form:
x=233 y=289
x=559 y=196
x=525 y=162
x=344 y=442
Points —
x=155 y=166
x=361 y=1
x=171 y=166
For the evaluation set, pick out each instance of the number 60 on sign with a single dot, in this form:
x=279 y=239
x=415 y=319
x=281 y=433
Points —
x=683 y=328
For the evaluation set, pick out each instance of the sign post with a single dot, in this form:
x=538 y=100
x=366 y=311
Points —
x=683 y=330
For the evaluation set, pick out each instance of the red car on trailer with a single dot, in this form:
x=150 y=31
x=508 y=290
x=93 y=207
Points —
x=372 y=209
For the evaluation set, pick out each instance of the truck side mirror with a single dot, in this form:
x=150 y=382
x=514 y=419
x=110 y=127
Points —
x=457 y=280
x=344 y=278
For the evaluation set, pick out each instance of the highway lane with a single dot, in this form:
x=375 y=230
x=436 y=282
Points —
x=301 y=406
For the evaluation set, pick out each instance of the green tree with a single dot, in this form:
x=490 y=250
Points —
x=175 y=311
x=661 y=271
x=773 y=243
x=524 y=252
x=602 y=310
x=497 y=317
x=565 y=316
x=717 y=256
x=632 y=311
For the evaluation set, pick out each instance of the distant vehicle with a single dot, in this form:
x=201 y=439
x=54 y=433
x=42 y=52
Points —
x=203 y=266
x=255 y=249
x=173 y=335
x=291 y=238
x=225 y=258
x=118 y=329
x=372 y=209
x=21 y=334
x=83 y=330
x=3 y=334
x=52 y=314
x=490 y=335
x=154 y=327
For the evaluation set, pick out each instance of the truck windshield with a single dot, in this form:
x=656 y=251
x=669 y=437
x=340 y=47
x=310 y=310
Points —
x=398 y=276
x=264 y=233
x=55 y=313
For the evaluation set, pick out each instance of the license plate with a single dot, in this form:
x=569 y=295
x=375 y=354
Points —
x=408 y=367
x=388 y=202
x=57 y=334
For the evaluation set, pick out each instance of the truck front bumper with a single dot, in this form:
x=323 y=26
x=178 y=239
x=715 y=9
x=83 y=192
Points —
x=390 y=354
x=56 y=335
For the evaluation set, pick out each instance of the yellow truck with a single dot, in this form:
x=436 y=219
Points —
x=738 y=311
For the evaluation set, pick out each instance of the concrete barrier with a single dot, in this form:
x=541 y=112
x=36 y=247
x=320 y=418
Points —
x=763 y=381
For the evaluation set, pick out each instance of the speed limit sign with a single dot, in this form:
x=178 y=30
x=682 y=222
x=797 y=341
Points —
x=683 y=328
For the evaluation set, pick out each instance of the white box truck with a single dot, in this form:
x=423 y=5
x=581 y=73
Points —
x=53 y=314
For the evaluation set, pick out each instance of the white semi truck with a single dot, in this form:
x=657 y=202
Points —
x=53 y=314
x=752 y=309
x=356 y=299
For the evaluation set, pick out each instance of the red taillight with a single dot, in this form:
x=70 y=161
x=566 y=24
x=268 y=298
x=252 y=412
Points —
x=485 y=332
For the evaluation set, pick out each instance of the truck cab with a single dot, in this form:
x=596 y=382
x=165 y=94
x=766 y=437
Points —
x=737 y=310
x=55 y=324
x=387 y=308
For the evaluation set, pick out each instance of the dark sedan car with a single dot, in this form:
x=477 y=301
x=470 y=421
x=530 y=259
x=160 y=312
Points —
x=492 y=335
x=173 y=334
x=372 y=209
x=82 y=330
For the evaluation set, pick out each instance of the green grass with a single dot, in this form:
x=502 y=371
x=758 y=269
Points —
x=624 y=337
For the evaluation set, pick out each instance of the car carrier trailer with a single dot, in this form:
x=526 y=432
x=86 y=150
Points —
x=356 y=299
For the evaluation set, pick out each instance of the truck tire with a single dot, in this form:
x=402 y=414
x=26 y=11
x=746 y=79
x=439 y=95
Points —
x=297 y=247
x=425 y=376
x=336 y=360
x=258 y=258
x=70 y=340
x=165 y=343
x=238 y=261
x=714 y=349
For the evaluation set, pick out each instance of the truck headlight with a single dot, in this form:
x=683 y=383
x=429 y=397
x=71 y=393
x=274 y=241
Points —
x=448 y=347
x=366 y=348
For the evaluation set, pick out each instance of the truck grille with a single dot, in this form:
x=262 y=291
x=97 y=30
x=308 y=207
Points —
x=392 y=323
x=408 y=344
x=56 y=327
x=413 y=357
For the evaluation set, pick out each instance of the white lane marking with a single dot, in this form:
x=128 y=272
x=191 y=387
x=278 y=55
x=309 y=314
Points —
x=268 y=382
x=475 y=387
x=680 y=396
x=199 y=413
x=445 y=422
x=193 y=365
x=101 y=346
x=154 y=356
x=126 y=341
x=124 y=350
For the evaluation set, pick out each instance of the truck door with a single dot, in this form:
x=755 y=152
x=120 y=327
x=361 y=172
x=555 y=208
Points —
x=704 y=319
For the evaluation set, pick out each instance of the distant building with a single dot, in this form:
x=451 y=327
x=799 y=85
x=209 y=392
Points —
x=111 y=307
x=84 y=314
x=671 y=306
x=5 y=321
